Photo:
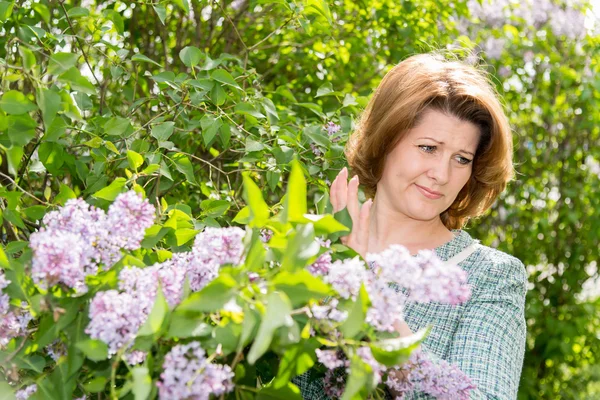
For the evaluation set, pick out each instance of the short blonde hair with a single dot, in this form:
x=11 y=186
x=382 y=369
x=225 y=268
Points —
x=425 y=82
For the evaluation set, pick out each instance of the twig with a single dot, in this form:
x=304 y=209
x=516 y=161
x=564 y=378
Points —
x=62 y=5
x=23 y=190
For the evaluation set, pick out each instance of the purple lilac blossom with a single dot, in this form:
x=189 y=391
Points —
x=115 y=319
x=315 y=150
x=334 y=384
x=187 y=374
x=213 y=248
x=135 y=357
x=26 y=392
x=323 y=262
x=442 y=380
x=347 y=276
x=328 y=311
x=330 y=359
x=332 y=128
x=60 y=257
x=4 y=299
x=13 y=324
x=426 y=277
x=56 y=349
x=128 y=217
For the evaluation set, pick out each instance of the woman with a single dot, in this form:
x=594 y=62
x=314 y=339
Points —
x=432 y=150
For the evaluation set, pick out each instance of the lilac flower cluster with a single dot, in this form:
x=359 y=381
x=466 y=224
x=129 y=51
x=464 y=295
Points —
x=332 y=128
x=328 y=311
x=12 y=323
x=77 y=238
x=116 y=316
x=567 y=20
x=213 y=248
x=26 y=392
x=442 y=380
x=346 y=276
x=115 y=319
x=394 y=278
x=188 y=374
x=315 y=150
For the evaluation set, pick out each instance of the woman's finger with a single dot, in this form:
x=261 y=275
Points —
x=352 y=200
x=342 y=188
x=333 y=198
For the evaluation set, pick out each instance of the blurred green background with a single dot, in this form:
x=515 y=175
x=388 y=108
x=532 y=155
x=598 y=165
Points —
x=177 y=98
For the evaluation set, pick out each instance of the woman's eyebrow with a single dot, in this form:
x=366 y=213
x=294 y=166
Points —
x=437 y=141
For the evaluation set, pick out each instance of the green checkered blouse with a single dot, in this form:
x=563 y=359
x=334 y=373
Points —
x=484 y=337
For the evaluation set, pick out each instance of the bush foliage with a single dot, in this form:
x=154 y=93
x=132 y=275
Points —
x=183 y=101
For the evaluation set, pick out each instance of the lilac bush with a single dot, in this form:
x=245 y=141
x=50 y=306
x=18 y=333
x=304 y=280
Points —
x=184 y=322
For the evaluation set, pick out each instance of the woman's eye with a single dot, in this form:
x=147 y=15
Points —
x=427 y=149
x=463 y=160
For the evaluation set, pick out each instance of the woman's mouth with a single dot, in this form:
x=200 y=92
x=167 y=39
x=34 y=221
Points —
x=430 y=194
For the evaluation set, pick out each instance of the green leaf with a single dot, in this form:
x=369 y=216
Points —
x=327 y=90
x=143 y=58
x=396 y=351
x=183 y=327
x=135 y=159
x=243 y=216
x=184 y=5
x=6 y=391
x=294 y=206
x=15 y=102
x=212 y=297
x=33 y=362
x=287 y=392
x=353 y=325
x=52 y=155
x=325 y=224
x=253 y=145
x=276 y=316
x=218 y=95
x=62 y=62
x=111 y=191
x=185 y=235
x=220 y=75
x=50 y=104
x=210 y=127
x=65 y=193
x=6 y=8
x=142 y=383
x=248 y=109
x=21 y=129
x=77 y=81
x=190 y=56
x=360 y=381
x=163 y=131
x=214 y=208
x=161 y=11
x=301 y=286
x=259 y=210
x=183 y=165
x=77 y=12
x=95 y=350
x=296 y=360
x=301 y=247
x=156 y=316
x=319 y=8
x=117 y=126
x=96 y=384
x=28 y=57
x=14 y=155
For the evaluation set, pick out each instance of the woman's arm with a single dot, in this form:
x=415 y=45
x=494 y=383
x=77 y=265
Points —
x=489 y=343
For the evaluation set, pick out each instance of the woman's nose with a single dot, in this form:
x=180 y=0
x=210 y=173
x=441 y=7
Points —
x=440 y=171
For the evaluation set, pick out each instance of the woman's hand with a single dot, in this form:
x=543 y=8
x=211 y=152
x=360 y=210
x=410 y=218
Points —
x=345 y=194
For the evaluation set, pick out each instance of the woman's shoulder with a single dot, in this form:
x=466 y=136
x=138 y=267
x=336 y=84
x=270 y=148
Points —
x=491 y=262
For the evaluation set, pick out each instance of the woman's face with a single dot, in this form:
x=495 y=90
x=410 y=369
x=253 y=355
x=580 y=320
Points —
x=427 y=169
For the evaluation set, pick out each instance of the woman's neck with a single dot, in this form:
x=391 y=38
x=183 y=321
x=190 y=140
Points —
x=388 y=227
